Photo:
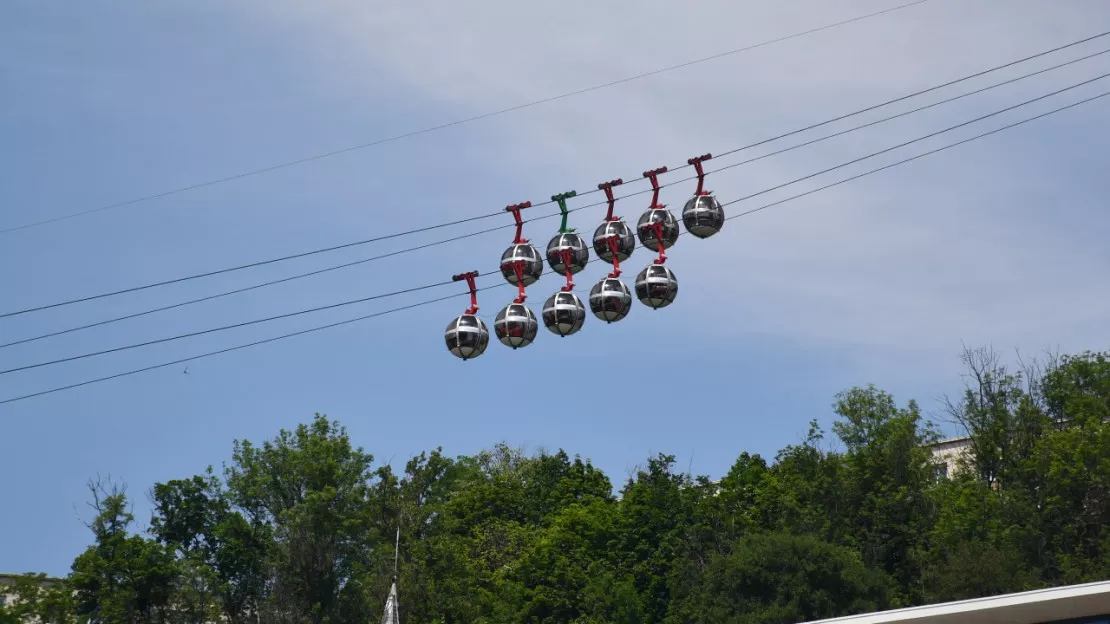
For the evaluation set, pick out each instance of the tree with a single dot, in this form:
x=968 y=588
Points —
x=1074 y=461
x=567 y=573
x=122 y=577
x=224 y=553
x=41 y=599
x=887 y=474
x=975 y=569
x=650 y=542
x=315 y=490
x=301 y=529
x=1001 y=413
x=773 y=578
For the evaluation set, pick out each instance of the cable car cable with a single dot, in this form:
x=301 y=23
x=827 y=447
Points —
x=866 y=125
x=249 y=288
x=230 y=349
x=502 y=227
x=226 y=327
x=501 y=213
x=927 y=136
x=912 y=158
x=458 y=122
x=380 y=296
x=431 y=301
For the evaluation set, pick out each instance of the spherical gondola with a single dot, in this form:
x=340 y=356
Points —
x=563 y=313
x=703 y=216
x=532 y=263
x=516 y=325
x=647 y=233
x=579 y=251
x=467 y=336
x=656 y=286
x=626 y=240
x=610 y=300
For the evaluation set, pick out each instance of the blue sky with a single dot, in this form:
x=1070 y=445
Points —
x=877 y=281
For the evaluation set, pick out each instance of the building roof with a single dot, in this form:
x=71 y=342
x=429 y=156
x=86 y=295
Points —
x=10 y=579
x=951 y=441
x=1040 y=606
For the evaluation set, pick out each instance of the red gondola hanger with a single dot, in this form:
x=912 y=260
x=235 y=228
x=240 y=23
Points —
x=664 y=236
x=612 y=241
x=567 y=257
x=653 y=175
x=608 y=188
x=657 y=227
x=515 y=209
x=696 y=162
x=469 y=277
x=518 y=268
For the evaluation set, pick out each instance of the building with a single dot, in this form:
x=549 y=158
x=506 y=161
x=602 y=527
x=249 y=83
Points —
x=1073 y=604
x=949 y=453
x=7 y=583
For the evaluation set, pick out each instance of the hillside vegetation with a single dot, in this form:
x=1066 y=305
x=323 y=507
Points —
x=301 y=527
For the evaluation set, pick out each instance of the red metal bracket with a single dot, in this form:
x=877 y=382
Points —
x=613 y=248
x=469 y=277
x=653 y=175
x=696 y=162
x=515 y=209
x=608 y=188
x=518 y=268
x=567 y=255
x=657 y=227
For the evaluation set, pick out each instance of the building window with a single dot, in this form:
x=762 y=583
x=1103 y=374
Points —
x=940 y=472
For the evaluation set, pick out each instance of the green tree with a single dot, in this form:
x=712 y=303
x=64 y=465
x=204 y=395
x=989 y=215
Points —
x=314 y=489
x=975 y=569
x=1001 y=413
x=224 y=554
x=805 y=491
x=41 y=599
x=478 y=516
x=301 y=528
x=654 y=513
x=778 y=578
x=122 y=577
x=887 y=475
x=1074 y=459
x=568 y=575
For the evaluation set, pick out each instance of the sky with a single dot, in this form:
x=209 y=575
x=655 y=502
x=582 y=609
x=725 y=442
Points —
x=881 y=280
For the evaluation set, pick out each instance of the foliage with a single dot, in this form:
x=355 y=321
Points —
x=51 y=601
x=302 y=528
x=773 y=578
x=121 y=577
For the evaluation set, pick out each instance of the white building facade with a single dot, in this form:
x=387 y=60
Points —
x=949 y=453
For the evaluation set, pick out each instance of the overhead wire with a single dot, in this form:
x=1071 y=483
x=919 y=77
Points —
x=249 y=288
x=235 y=348
x=913 y=158
x=431 y=301
x=458 y=122
x=227 y=327
x=927 y=136
x=506 y=226
x=380 y=296
x=501 y=212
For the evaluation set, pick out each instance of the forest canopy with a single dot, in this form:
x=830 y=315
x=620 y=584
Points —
x=301 y=528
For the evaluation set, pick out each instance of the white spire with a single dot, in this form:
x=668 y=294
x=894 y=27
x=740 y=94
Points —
x=390 y=616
